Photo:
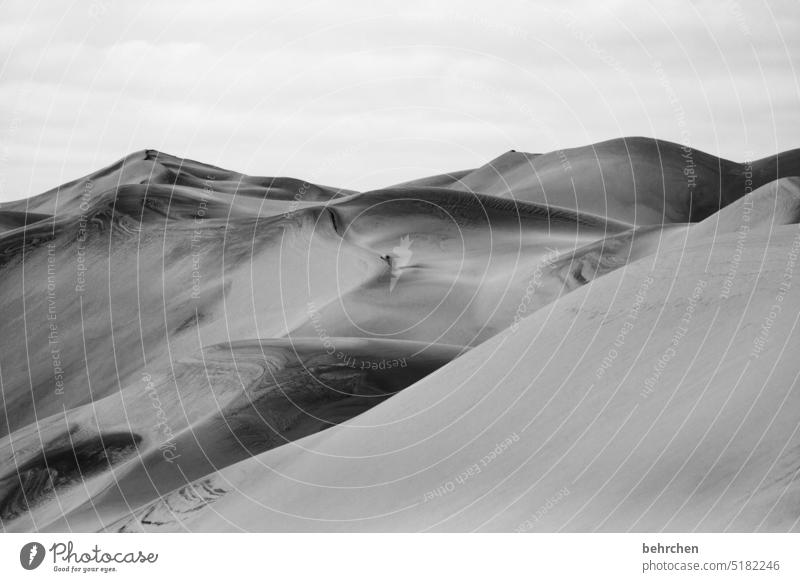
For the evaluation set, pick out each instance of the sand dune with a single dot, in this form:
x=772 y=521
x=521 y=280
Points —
x=706 y=441
x=592 y=339
x=637 y=180
x=153 y=168
x=234 y=401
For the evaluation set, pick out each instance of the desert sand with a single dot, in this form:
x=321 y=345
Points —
x=595 y=339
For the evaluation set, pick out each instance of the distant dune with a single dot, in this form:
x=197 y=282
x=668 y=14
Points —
x=595 y=339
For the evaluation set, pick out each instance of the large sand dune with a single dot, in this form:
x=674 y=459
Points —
x=638 y=180
x=599 y=338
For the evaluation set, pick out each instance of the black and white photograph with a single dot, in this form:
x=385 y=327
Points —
x=319 y=273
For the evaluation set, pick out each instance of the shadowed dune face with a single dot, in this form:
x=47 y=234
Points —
x=235 y=401
x=183 y=343
x=146 y=274
x=57 y=468
x=636 y=180
x=457 y=266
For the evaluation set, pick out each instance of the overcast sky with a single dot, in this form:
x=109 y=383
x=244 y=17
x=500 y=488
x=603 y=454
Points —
x=364 y=94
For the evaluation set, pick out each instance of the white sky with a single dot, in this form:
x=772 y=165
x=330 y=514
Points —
x=365 y=94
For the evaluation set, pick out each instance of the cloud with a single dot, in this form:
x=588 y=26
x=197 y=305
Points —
x=392 y=89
